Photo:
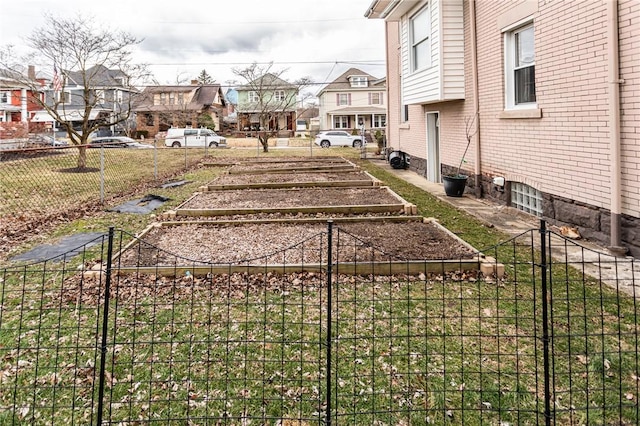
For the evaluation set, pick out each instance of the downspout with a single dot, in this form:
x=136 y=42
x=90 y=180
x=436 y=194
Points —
x=476 y=101
x=614 y=125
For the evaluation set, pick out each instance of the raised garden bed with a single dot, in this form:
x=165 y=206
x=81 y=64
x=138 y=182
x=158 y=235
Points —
x=293 y=179
x=302 y=201
x=365 y=246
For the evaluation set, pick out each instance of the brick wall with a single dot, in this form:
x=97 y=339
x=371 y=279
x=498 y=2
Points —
x=566 y=152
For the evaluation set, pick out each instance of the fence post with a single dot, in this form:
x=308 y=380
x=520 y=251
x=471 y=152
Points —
x=105 y=320
x=101 y=174
x=329 y=319
x=545 y=323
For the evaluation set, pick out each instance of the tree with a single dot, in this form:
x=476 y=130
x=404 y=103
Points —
x=205 y=78
x=271 y=98
x=82 y=55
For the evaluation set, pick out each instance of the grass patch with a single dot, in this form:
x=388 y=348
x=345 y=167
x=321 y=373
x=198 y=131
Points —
x=240 y=348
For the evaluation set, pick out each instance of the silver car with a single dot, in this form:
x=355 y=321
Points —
x=118 y=142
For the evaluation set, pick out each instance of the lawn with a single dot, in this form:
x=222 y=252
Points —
x=254 y=348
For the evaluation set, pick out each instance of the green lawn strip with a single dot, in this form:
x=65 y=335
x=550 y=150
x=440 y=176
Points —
x=456 y=351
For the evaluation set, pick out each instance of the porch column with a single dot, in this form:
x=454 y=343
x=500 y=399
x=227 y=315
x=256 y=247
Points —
x=24 y=114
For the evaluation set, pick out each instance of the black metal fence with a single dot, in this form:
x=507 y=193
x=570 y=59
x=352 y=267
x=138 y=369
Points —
x=121 y=333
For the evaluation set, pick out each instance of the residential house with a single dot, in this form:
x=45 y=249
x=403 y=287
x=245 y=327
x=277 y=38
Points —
x=553 y=87
x=17 y=103
x=267 y=103
x=110 y=96
x=353 y=100
x=161 y=107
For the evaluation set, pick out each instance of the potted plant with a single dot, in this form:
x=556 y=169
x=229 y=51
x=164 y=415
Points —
x=455 y=184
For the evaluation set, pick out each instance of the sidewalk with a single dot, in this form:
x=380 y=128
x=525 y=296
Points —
x=594 y=259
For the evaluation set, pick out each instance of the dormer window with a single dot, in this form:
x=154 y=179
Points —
x=358 y=81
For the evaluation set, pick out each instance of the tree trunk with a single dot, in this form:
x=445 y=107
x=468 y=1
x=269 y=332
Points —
x=82 y=157
x=264 y=141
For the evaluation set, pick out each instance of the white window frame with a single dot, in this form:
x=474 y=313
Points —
x=359 y=81
x=343 y=99
x=510 y=65
x=340 y=121
x=377 y=101
x=252 y=96
x=423 y=42
x=5 y=97
x=379 y=120
x=279 y=95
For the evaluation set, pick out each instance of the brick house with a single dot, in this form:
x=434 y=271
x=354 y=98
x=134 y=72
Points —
x=17 y=104
x=353 y=99
x=553 y=87
x=160 y=107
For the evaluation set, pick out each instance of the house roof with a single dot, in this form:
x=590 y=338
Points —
x=267 y=81
x=203 y=95
x=342 y=83
x=99 y=75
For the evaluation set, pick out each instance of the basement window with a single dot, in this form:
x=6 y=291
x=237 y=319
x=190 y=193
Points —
x=526 y=198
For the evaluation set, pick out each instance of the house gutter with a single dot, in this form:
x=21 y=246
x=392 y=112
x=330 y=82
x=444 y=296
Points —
x=476 y=101
x=614 y=125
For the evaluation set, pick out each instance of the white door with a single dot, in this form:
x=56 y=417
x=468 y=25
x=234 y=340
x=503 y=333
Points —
x=433 y=146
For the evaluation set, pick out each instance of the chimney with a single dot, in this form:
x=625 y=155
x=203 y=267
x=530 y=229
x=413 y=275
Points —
x=32 y=72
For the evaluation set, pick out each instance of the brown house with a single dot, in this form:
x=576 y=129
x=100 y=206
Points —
x=162 y=107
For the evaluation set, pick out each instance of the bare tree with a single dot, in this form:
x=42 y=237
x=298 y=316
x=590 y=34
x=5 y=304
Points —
x=271 y=98
x=79 y=53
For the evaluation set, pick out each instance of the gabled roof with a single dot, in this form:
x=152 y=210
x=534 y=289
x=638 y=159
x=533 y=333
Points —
x=342 y=83
x=99 y=75
x=203 y=95
x=269 y=81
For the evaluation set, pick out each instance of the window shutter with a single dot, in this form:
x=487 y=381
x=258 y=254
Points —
x=337 y=98
x=369 y=98
x=382 y=98
x=349 y=101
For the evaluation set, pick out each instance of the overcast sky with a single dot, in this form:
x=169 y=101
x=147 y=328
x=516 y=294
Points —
x=319 y=39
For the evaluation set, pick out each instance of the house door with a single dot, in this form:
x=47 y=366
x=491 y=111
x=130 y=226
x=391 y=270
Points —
x=433 y=146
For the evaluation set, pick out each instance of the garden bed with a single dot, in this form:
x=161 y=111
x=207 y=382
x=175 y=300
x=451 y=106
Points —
x=293 y=243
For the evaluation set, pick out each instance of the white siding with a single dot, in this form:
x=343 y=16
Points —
x=444 y=79
x=452 y=19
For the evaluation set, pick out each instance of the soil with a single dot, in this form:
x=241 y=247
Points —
x=294 y=197
x=293 y=243
x=290 y=177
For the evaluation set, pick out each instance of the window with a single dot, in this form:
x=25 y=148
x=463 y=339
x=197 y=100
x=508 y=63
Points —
x=5 y=97
x=420 y=30
x=375 y=98
x=148 y=118
x=341 y=122
x=172 y=98
x=526 y=198
x=253 y=97
x=520 y=90
x=379 y=120
x=279 y=95
x=358 y=81
x=64 y=97
x=343 y=99
x=405 y=113
x=163 y=98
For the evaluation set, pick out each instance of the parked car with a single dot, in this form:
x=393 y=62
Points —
x=46 y=140
x=189 y=137
x=338 y=138
x=117 y=142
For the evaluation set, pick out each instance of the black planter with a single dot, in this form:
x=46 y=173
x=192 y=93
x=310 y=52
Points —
x=454 y=185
